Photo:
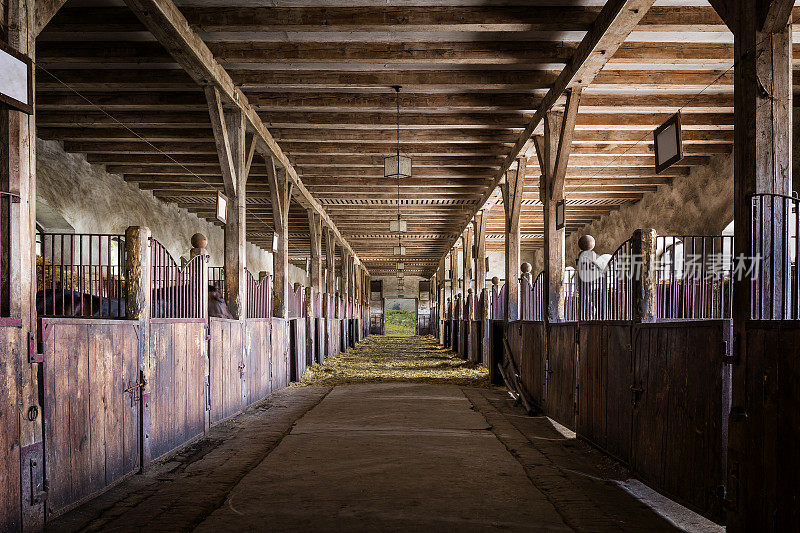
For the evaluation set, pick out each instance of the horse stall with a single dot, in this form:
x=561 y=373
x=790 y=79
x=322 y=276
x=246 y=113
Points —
x=91 y=379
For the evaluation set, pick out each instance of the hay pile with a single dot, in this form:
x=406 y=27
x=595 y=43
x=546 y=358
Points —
x=407 y=359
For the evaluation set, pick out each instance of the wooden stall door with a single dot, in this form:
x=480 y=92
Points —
x=527 y=343
x=776 y=462
x=178 y=376
x=91 y=407
x=10 y=512
x=279 y=348
x=605 y=376
x=678 y=416
x=258 y=360
x=562 y=353
x=227 y=387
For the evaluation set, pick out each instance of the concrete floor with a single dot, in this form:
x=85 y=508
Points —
x=377 y=457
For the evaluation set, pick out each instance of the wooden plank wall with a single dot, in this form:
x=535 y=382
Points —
x=777 y=388
x=655 y=396
x=178 y=363
x=679 y=424
x=258 y=360
x=91 y=425
x=9 y=429
x=227 y=385
x=562 y=355
x=605 y=375
x=528 y=346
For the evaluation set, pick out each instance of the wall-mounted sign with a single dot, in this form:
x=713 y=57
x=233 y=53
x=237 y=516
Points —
x=561 y=214
x=222 y=207
x=16 y=81
x=668 y=143
x=274 y=242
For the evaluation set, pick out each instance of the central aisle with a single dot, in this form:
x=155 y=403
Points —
x=388 y=457
x=395 y=435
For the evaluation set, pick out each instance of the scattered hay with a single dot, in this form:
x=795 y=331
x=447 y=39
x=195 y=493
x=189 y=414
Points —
x=396 y=359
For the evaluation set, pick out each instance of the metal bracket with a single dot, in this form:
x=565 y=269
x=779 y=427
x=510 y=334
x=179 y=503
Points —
x=135 y=389
x=34 y=487
x=36 y=347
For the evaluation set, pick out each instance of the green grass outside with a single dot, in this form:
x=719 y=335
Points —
x=400 y=323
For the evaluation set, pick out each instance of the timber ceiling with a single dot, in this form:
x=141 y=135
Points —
x=319 y=73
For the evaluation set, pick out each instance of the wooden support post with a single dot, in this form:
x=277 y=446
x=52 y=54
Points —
x=20 y=436
x=281 y=194
x=512 y=204
x=643 y=249
x=330 y=261
x=229 y=126
x=466 y=239
x=479 y=231
x=315 y=227
x=762 y=164
x=138 y=299
x=553 y=150
x=453 y=273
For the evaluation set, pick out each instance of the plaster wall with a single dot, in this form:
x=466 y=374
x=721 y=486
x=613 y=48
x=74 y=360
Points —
x=700 y=203
x=91 y=200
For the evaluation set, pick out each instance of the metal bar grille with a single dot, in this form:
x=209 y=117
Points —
x=177 y=293
x=693 y=276
x=80 y=275
x=259 y=297
x=608 y=294
x=772 y=266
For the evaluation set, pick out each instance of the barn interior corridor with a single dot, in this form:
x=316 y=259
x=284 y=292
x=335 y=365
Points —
x=442 y=451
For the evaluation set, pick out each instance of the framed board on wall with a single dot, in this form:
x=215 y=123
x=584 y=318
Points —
x=16 y=81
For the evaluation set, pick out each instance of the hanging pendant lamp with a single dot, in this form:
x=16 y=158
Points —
x=397 y=166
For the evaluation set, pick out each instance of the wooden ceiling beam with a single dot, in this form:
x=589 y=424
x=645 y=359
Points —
x=172 y=30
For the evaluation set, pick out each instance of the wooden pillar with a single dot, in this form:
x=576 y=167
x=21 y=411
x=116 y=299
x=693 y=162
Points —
x=453 y=273
x=512 y=204
x=19 y=383
x=345 y=287
x=229 y=127
x=553 y=150
x=643 y=248
x=758 y=457
x=281 y=194
x=466 y=239
x=330 y=261
x=315 y=225
x=138 y=299
x=479 y=231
